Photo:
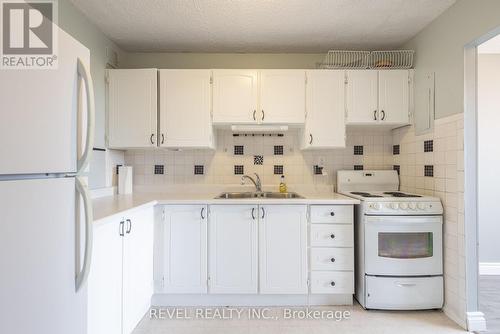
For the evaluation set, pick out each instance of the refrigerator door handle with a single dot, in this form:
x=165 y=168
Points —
x=82 y=275
x=89 y=139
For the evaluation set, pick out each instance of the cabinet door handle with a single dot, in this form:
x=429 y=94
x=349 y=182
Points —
x=254 y=111
x=129 y=226
x=374 y=115
x=202 y=213
x=383 y=115
x=263 y=213
x=332 y=259
x=151 y=139
x=121 y=228
x=162 y=138
x=263 y=115
x=332 y=283
x=332 y=236
x=253 y=213
x=311 y=139
x=332 y=213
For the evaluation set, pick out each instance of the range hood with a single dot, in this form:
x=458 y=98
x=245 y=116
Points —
x=259 y=128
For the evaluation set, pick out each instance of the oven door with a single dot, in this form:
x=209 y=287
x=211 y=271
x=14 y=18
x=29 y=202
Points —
x=403 y=245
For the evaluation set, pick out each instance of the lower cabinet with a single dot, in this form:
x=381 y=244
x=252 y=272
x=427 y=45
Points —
x=184 y=262
x=283 y=249
x=120 y=283
x=233 y=249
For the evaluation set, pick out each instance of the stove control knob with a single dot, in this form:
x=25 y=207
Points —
x=375 y=206
x=421 y=206
x=394 y=206
x=412 y=206
x=403 y=206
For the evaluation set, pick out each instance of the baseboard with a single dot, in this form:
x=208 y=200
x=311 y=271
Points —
x=489 y=268
x=455 y=318
x=476 y=322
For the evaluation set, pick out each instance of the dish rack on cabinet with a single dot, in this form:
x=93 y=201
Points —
x=389 y=59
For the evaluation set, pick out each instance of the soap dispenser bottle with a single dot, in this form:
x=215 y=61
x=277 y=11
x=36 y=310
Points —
x=283 y=184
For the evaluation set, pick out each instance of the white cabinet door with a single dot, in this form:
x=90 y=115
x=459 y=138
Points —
x=185 y=249
x=235 y=96
x=132 y=108
x=325 y=109
x=282 y=96
x=233 y=249
x=394 y=96
x=362 y=96
x=104 y=306
x=137 y=267
x=283 y=249
x=185 y=105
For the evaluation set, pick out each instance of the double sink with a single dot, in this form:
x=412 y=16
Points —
x=270 y=195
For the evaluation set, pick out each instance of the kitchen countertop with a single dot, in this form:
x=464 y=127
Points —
x=111 y=206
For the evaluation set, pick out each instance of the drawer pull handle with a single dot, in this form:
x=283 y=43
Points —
x=332 y=213
x=332 y=259
x=332 y=283
x=332 y=236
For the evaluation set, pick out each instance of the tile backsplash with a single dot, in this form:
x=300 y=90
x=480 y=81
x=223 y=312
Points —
x=269 y=156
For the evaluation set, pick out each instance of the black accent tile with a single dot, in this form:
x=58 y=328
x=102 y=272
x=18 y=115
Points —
x=118 y=169
x=199 y=169
x=397 y=168
x=358 y=167
x=396 y=149
x=159 y=169
x=239 y=170
x=429 y=170
x=358 y=149
x=238 y=150
x=429 y=146
x=317 y=170
x=258 y=160
x=278 y=169
x=278 y=150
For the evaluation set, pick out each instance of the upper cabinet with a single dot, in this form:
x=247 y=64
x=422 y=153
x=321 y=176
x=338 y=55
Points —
x=132 y=108
x=325 y=110
x=185 y=107
x=235 y=96
x=282 y=96
x=262 y=97
x=379 y=97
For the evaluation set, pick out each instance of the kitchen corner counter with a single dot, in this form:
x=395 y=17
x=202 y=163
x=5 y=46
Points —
x=114 y=206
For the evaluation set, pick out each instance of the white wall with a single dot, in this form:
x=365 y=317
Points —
x=439 y=48
x=489 y=156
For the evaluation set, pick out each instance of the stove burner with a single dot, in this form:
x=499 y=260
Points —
x=400 y=194
x=363 y=194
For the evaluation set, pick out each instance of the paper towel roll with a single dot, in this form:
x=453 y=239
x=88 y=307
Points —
x=125 y=183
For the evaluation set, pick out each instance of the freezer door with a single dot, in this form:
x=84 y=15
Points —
x=39 y=114
x=37 y=257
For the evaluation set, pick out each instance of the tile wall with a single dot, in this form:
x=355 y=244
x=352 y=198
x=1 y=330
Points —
x=269 y=156
x=440 y=156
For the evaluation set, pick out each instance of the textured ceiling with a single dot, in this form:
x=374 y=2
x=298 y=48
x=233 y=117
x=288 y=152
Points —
x=260 y=25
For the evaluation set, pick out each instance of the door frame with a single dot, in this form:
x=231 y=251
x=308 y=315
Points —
x=475 y=318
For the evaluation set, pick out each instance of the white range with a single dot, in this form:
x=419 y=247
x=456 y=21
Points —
x=399 y=257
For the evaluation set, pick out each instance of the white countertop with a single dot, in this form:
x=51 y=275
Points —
x=110 y=206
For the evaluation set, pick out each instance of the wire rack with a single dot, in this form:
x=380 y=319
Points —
x=392 y=59
x=344 y=59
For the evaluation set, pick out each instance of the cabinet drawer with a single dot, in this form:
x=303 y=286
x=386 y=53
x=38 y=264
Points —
x=332 y=259
x=332 y=214
x=332 y=235
x=332 y=282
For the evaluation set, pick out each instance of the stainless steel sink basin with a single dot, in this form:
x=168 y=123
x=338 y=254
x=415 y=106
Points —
x=271 y=195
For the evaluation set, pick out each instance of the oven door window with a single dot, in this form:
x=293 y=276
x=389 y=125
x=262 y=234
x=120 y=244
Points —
x=411 y=245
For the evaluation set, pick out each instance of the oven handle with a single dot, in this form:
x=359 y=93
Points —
x=405 y=285
x=403 y=220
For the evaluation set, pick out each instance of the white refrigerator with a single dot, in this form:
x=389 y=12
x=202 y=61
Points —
x=46 y=138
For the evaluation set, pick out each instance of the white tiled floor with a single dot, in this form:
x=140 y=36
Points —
x=361 y=321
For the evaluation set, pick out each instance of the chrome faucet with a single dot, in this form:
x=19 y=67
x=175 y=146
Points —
x=256 y=182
